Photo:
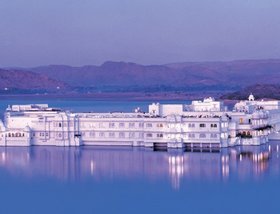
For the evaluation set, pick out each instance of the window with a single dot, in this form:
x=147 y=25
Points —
x=224 y=125
x=111 y=125
x=214 y=135
x=92 y=125
x=141 y=125
x=91 y=134
x=149 y=135
x=121 y=125
x=131 y=125
x=160 y=135
x=111 y=134
x=160 y=125
x=224 y=135
x=191 y=125
x=171 y=125
x=131 y=135
x=202 y=125
x=149 y=125
x=214 y=125
x=101 y=134
x=101 y=125
x=202 y=135
x=191 y=135
x=59 y=125
x=121 y=135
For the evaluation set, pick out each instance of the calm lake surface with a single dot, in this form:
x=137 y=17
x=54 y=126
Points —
x=135 y=180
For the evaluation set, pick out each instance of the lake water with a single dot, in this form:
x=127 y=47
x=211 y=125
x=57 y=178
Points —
x=135 y=180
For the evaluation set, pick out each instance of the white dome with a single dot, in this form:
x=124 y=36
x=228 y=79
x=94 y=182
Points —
x=251 y=97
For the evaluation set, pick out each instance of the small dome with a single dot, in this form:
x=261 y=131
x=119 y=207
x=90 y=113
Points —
x=251 y=97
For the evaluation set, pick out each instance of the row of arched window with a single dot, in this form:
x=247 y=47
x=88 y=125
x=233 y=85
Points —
x=15 y=134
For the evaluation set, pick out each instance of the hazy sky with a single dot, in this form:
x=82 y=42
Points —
x=79 y=32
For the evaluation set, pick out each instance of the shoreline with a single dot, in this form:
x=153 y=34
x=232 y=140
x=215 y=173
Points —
x=133 y=96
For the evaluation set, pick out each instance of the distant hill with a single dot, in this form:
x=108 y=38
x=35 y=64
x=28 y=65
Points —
x=114 y=74
x=131 y=77
x=21 y=80
x=260 y=91
x=198 y=75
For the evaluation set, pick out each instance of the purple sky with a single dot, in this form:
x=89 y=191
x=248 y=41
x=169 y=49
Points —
x=79 y=32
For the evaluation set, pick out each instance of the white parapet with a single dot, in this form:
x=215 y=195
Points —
x=201 y=124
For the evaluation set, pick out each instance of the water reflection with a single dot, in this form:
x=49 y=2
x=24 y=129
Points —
x=96 y=163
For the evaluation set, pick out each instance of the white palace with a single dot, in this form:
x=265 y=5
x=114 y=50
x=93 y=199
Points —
x=202 y=124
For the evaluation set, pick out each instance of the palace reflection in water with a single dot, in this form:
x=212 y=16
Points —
x=98 y=163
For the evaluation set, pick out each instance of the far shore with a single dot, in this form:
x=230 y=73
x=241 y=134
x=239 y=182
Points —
x=133 y=96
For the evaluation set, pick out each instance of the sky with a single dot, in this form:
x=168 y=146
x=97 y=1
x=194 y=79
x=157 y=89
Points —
x=84 y=32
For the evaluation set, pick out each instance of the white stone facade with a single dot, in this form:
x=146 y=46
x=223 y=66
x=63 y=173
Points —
x=203 y=124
